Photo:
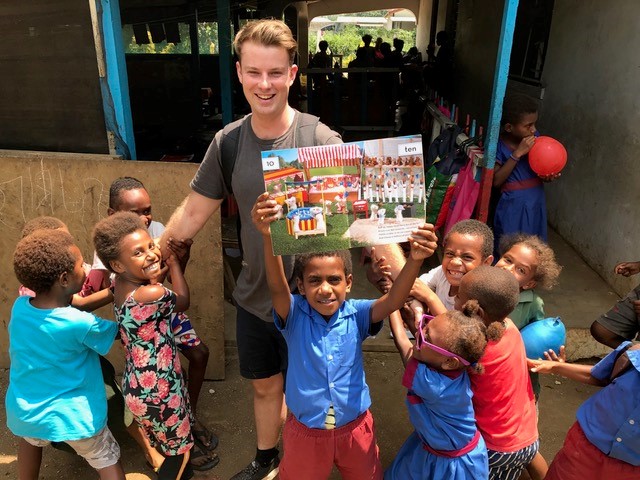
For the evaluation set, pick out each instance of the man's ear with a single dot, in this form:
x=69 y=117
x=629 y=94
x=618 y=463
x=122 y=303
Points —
x=488 y=260
x=451 y=363
x=116 y=266
x=239 y=71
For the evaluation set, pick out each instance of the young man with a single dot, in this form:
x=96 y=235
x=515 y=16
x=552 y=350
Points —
x=265 y=68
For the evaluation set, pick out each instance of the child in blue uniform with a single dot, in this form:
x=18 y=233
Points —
x=446 y=442
x=522 y=206
x=604 y=442
x=326 y=392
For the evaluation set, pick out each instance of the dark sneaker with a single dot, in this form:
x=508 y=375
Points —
x=255 y=471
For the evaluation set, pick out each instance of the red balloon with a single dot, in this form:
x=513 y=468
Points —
x=547 y=156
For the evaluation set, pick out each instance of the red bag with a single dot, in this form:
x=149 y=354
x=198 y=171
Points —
x=465 y=196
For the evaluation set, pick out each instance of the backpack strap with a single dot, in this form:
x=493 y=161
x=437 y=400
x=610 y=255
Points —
x=306 y=130
x=229 y=150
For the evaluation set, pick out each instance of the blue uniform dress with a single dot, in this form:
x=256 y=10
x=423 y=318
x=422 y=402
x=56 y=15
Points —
x=441 y=411
x=522 y=206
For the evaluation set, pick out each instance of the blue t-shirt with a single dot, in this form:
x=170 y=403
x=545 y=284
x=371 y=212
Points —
x=56 y=390
x=610 y=419
x=325 y=361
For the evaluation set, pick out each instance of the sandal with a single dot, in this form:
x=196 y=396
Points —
x=204 y=439
x=201 y=461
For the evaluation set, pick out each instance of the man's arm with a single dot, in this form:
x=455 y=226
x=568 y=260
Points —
x=189 y=218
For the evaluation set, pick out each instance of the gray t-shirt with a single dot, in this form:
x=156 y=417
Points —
x=251 y=291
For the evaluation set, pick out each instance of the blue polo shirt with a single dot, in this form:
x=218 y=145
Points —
x=325 y=361
x=610 y=419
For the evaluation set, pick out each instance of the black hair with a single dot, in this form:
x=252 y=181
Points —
x=122 y=184
x=467 y=334
x=41 y=257
x=516 y=106
x=42 y=223
x=496 y=291
x=477 y=229
x=547 y=269
x=109 y=232
x=302 y=259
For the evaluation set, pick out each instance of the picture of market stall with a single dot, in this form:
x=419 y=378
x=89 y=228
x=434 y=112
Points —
x=306 y=220
x=337 y=168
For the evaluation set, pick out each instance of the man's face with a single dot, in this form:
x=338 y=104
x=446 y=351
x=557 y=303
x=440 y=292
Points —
x=265 y=75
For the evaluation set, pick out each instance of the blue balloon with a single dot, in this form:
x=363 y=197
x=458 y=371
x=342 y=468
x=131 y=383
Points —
x=540 y=336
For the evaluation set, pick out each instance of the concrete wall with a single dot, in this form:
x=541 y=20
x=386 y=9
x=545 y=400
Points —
x=476 y=46
x=75 y=188
x=49 y=92
x=592 y=106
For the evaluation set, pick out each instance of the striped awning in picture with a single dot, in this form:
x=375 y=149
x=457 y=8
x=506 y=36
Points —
x=348 y=154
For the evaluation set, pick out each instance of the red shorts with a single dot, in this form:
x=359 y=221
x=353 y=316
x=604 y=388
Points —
x=579 y=459
x=310 y=453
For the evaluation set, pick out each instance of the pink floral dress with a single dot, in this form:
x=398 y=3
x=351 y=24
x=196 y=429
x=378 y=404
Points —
x=152 y=383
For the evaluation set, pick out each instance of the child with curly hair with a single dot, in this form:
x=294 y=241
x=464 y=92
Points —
x=55 y=391
x=446 y=442
x=152 y=381
x=533 y=263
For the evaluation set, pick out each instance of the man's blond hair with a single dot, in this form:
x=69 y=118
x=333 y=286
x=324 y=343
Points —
x=269 y=33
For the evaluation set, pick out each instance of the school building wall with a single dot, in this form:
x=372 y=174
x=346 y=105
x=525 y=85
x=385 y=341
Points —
x=592 y=106
x=49 y=90
x=75 y=188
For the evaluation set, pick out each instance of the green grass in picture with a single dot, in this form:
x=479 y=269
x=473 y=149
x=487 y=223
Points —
x=337 y=225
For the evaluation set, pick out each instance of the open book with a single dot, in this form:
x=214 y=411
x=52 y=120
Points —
x=355 y=194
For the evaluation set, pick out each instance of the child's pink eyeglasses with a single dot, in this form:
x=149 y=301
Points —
x=422 y=342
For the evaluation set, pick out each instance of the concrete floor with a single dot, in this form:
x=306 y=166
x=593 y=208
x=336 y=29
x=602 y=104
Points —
x=226 y=406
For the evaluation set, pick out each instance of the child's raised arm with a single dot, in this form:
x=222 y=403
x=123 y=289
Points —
x=400 y=338
x=262 y=214
x=423 y=243
x=178 y=283
x=424 y=294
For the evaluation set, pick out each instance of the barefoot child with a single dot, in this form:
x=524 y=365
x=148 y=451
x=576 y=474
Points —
x=326 y=392
x=128 y=194
x=152 y=380
x=446 y=442
x=503 y=399
x=55 y=391
x=604 y=442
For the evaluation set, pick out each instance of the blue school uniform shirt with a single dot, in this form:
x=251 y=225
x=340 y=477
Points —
x=610 y=419
x=441 y=411
x=325 y=361
x=55 y=389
